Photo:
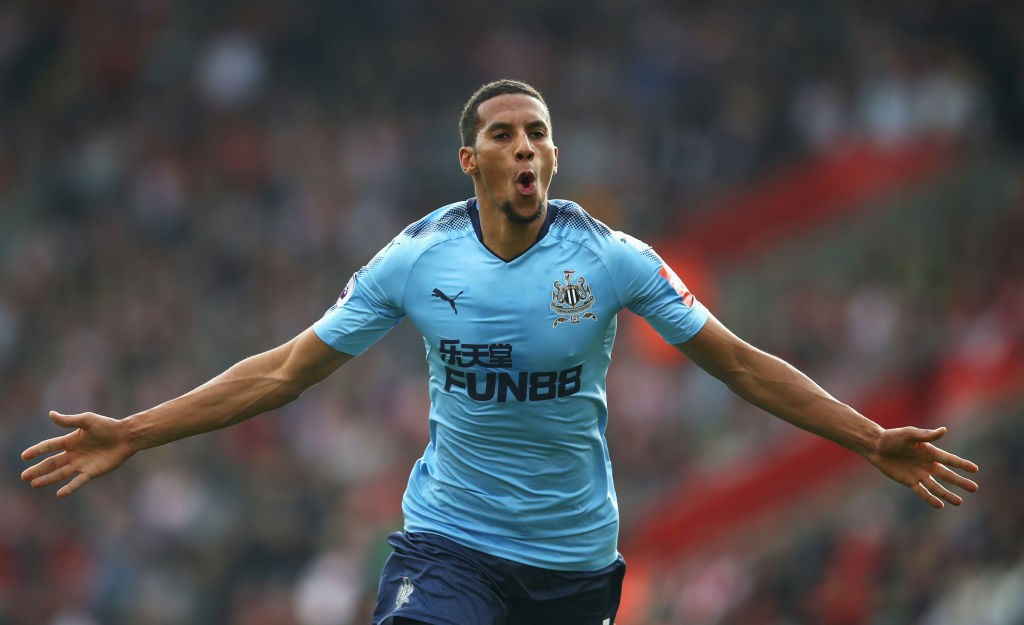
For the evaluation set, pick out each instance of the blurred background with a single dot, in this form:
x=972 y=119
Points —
x=184 y=184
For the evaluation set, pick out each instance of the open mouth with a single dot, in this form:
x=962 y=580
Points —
x=526 y=183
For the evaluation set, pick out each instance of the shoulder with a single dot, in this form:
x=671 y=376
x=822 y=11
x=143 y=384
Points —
x=447 y=223
x=573 y=223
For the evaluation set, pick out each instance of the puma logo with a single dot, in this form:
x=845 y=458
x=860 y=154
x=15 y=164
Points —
x=450 y=300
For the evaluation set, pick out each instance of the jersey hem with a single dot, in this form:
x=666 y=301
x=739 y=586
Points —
x=464 y=540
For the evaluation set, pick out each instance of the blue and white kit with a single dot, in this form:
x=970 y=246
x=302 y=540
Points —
x=517 y=465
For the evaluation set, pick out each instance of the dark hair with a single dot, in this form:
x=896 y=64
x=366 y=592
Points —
x=470 y=119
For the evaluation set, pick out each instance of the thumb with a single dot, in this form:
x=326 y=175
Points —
x=927 y=436
x=70 y=420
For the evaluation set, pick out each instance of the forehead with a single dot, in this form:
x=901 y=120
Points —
x=512 y=108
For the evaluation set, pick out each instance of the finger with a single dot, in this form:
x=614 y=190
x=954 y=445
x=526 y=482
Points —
x=70 y=420
x=44 y=447
x=944 y=473
x=927 y=436
x=939 y=490
x=57 y=443
x=58 y=475
x=50 y=464
x=926 y=496
x=956 y=462
x=76 y=483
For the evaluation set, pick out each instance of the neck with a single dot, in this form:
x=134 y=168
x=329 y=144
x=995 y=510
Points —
x=505 y=236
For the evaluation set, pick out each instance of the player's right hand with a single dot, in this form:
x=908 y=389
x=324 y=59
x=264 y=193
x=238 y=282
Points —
x=97 y=445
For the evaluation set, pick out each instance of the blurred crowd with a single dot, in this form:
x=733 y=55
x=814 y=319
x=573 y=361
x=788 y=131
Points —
x=183 y=184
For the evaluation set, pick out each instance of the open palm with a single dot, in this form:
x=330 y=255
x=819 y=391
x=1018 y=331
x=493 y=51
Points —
x=908 y=456
x=96 y=446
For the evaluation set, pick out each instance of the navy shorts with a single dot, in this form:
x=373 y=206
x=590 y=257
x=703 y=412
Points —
x=431 y=579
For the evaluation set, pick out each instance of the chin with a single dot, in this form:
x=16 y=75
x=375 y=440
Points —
x=519 y=218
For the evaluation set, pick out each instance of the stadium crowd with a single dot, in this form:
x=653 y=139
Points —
x=182 y=185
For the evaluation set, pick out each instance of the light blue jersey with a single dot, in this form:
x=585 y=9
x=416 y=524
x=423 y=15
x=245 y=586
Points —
x=517 y=465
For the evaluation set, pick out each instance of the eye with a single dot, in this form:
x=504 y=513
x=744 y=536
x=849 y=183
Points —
x=501 y=136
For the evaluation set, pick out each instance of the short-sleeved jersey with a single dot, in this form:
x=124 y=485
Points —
x=517 y=463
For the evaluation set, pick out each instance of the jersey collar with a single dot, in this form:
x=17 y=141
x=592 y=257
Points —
x=474 y=216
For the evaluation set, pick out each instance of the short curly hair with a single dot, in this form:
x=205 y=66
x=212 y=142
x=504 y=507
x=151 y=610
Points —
x=469 y=121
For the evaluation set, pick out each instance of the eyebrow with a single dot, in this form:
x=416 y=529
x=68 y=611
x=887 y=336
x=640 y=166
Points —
x=503 y=125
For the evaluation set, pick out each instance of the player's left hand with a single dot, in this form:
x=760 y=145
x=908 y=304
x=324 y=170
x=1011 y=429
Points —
x=908 y=456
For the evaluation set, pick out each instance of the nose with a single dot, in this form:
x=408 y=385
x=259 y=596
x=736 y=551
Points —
x=524 y=149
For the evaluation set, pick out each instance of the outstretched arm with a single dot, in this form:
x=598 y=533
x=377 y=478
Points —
x=255 y=385
x=904 y=454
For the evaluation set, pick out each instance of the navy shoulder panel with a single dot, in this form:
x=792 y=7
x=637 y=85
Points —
x=571 y=216
x=445 y=220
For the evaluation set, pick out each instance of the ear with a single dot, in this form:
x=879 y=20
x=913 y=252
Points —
x=555 y=170
x=467 y=158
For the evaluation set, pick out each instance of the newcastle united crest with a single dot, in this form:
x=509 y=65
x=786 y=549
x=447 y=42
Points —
x=572 y=300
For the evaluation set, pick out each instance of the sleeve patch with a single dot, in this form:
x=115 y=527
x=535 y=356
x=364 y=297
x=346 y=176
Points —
x=346 y=293
x=677 y=284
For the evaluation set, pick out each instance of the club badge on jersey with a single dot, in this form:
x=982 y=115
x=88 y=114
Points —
x=572 y=301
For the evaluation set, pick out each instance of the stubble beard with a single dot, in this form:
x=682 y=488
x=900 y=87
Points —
x=516 y=218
